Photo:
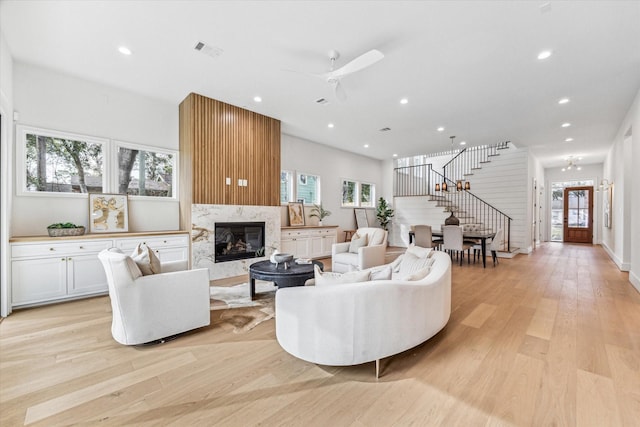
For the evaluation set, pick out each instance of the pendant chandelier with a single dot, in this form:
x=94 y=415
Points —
x=459 y=183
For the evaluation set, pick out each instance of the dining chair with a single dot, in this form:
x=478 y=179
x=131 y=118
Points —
x=493 y=245
x=423 y=237
x=453 y=242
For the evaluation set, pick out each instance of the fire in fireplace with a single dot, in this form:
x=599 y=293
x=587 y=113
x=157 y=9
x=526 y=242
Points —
x=239 y=240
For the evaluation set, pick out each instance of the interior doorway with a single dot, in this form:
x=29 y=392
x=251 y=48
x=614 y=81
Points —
x=557 y=232
x=578 y=214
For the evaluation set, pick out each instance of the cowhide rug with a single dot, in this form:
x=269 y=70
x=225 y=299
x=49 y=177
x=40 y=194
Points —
x=231 y=305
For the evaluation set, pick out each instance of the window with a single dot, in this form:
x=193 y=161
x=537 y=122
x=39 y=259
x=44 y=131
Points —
x=358 y=194
x=145 y=172
x=51 y=162
x=308 y=188
x=286 y=187
x=367 y=195
x=55 y=162
x=349 y=193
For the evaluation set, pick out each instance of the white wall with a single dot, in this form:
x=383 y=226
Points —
x=332 y=165
x=6 y=136
x=622 y=241
x=51 y=100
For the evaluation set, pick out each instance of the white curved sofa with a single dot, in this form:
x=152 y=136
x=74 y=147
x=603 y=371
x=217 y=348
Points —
x=353 y=323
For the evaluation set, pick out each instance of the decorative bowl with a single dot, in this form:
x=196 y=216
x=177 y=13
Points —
x=280 y=258
x=63 y=232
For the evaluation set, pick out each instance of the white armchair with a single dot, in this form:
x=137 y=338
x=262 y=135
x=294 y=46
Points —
x=148 y=308
x=371 y=255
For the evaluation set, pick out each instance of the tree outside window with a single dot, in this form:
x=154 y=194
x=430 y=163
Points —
x=367 y=195
x=62 y=165
x=349 y=193
x=145 y=173
x=286 y=187
x=308 y=189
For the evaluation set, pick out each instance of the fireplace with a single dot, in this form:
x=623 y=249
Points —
x=238 y=240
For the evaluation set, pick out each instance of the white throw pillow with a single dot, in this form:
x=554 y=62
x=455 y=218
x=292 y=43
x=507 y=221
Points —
x=357 y=243
x=411 y=264
x=381 y=273
x=146 y=260
x=395 y=265
x=330 y=278
x=419 y=251
x=418 y=275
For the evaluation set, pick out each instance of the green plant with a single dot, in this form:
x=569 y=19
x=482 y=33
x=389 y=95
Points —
x=384 y=213
x=319 y=212
x=64 y=225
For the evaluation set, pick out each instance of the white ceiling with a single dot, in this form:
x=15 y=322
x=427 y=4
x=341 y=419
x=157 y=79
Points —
x=469 y=66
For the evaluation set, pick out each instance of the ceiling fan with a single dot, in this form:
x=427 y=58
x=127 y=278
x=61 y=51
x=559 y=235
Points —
x=333 y=76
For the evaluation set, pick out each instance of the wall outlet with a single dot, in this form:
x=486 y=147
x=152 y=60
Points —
x=228 y=181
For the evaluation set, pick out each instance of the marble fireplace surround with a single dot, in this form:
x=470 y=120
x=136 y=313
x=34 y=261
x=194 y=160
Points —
x=204 y=218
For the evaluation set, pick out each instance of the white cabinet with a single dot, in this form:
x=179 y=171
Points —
x=49 y=269
x=308 y=242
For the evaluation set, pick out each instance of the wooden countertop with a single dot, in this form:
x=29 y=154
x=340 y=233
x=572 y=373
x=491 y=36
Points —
x=290 y=227
x=94 y=236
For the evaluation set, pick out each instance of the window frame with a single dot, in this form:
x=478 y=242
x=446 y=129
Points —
x=372 y=192
x=358 y=194
x=291 y=184
x=115 y=184
x=318 y=188
x=21 y=159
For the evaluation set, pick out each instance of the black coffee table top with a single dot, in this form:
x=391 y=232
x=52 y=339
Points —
x=294 y=275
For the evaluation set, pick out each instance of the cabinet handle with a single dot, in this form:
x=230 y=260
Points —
x=81 y=247
x=51 y=249
x=69 y=259
x=62 y=259
x=164 y=241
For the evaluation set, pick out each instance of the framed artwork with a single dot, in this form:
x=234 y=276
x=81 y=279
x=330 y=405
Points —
x=296 y=213
x=361 y=218
x=108 y=213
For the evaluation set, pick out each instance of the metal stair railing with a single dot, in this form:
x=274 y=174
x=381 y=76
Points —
x=469 y=159
x=421 y=180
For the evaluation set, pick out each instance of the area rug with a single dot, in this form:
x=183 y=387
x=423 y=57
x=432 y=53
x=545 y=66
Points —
x=231 y=305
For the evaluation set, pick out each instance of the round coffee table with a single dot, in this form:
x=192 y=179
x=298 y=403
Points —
x=294 y=275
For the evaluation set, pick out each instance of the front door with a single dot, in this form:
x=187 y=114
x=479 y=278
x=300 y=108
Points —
x=578 y=214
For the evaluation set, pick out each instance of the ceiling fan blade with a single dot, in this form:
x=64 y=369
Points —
x=363 y=61
x=339 y=91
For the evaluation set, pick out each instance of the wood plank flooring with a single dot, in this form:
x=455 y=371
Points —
x=551 y=338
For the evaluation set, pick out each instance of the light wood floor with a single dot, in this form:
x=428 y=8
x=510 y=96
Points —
x=548 y=339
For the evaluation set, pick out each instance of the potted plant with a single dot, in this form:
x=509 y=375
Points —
x=319 y=212
x=384 y=213
x=60 y=229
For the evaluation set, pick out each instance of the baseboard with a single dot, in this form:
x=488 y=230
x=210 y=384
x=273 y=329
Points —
x=635 y=281
x=623 y=266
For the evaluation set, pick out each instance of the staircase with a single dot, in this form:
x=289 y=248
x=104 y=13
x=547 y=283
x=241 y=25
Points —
x=421 y=180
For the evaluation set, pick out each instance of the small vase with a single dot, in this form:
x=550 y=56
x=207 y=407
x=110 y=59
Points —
x=452 y=220
x=320 y=223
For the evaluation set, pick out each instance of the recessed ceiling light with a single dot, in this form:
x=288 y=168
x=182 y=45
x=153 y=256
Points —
x=568 y=140
x=257 y=99
x=395 y=155
x=563 y=101
x=566 y=125
x=463 y=142
x=440 y=129
x=124 y=50
x=404 y=101
x=330 y=125
x=366 y=145
x=544 y=54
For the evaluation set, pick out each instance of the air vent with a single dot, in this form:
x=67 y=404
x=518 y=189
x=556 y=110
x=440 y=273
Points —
x=387 y=129
x=212 y=51
x=322 y=101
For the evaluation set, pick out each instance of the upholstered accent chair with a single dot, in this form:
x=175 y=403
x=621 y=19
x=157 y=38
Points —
x=454 y=243
x=366 y=249
x=423 y=237
x=493 y=245
x=156 y=306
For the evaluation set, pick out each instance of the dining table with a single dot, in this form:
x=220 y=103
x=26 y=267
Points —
x=481 y=235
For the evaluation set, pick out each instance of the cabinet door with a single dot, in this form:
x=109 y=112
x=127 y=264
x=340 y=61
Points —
x=327 y=243
x=37 y=280
x=288 y=246
x=172 y=254
x=303 y=247
x=85 y=275
x=316 y=246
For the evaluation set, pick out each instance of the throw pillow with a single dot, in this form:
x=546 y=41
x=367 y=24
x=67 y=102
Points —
x=411 y=264
x=358 y=243
x=330 y=278
x=419 y=251
x=381 y=273
x=395 y=265
x=146 y=260
x=418 y=275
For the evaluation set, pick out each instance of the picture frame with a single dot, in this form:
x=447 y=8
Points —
x=296 y=214
x=361 y=218
x=108 y=213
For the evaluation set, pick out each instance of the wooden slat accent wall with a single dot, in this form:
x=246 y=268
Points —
x=219 y=140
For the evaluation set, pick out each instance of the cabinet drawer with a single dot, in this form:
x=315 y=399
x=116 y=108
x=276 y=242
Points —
x=323 y=232
x=155 y=243
x=55 y=249
x=294 y=234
